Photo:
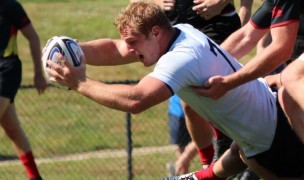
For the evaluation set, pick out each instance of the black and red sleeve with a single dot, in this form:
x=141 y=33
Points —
x=275 y=13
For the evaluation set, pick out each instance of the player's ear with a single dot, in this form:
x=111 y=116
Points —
x=155 y=31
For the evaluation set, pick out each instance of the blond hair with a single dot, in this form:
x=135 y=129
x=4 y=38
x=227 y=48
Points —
x=141 y=16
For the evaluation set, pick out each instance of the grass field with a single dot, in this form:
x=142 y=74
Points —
x=82 y=125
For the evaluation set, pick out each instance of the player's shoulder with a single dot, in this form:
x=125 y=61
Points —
x=10 y=6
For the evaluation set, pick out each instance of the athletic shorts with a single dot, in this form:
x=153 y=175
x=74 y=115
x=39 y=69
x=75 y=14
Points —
x=286 y=154
x=10 y=77
x=179 y=134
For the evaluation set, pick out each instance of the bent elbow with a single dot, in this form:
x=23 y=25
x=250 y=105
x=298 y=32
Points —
x=136 y=108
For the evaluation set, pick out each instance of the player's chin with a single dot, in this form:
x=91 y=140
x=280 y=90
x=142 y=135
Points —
x=145 y=64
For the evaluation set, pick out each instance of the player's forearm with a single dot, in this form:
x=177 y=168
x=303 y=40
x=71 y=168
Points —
x=259 y=66
x=107 y=52
x=118 y=96
x=245 y=11
x=240 y=42
x=35 y=49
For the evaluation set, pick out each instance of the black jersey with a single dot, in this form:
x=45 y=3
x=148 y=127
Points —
x=12 y=18
x=183 y=13
x=275 y=13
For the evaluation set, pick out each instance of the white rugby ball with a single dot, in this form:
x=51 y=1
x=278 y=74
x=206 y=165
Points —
x=68 y=47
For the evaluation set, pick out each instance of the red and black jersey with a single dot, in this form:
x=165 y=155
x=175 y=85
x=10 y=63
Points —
x=12 y=18
x=275 y=13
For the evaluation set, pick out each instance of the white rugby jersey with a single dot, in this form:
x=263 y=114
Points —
x=247 y=113
x=301 y=57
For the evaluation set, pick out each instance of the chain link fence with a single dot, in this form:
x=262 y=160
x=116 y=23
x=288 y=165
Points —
x=75 y=138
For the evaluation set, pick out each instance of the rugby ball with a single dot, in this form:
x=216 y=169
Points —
x=68 y=47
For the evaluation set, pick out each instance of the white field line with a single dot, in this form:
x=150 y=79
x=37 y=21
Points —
x=97 y=154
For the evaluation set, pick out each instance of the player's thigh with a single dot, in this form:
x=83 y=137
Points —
x=4 y=104
x=263 y=172
x=258 y=169
x=9 y=120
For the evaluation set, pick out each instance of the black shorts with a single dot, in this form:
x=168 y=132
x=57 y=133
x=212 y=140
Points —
x=179 y=134
x=10 y=77
x=286 y=154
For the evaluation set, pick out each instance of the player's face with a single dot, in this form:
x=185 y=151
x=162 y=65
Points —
x=146 y=48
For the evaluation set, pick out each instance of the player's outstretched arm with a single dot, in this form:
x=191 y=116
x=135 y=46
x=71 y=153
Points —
x=103 y=52
x=128 y=98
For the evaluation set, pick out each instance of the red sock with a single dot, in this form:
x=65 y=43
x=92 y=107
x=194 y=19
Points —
x=206 y=154
x=207 y=174
x=29 y=165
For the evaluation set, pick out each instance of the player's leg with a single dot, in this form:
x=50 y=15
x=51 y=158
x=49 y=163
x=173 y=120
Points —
x=284 y=158
x=292 y=99
x=227 y=165
x=10 y=79
x=184 y=157
x=182 y=164
x=201 y=133
x=263 y=172
x=13 y=130
x=180 y=137
x=221 y=143
x=4 y=104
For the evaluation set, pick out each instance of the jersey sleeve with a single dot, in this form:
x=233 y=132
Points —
x=18 y=15
x=176 y=70
x=275 y=13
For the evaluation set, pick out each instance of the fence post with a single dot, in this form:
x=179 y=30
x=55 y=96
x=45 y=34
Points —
x=129 y=146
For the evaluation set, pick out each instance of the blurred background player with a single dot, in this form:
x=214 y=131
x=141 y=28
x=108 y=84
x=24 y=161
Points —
x=179 y=136
x=13 y=18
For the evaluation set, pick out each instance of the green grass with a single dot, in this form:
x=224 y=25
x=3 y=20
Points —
x=102 y=169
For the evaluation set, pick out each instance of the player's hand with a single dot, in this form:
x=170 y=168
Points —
x=40 y=83
x=215 y=87
x=166 y=5
x=66 y=74
x=273 y=80
x=207 y=9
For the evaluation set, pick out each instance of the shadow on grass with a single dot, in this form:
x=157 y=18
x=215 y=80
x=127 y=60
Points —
x=8 y=157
